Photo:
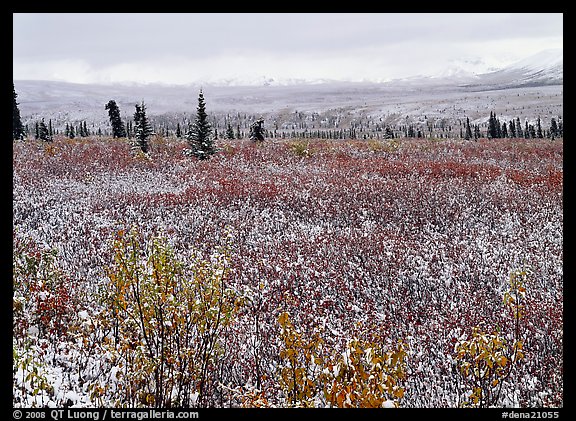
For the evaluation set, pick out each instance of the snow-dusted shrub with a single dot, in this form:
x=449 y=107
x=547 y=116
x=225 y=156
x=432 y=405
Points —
x=31 y=387
x=42 y=293
x=364 y=375
x=301 y=148
x=416 y=240
x=301 y=366
x=166 y=319
x=43 y=309
x=486 y=360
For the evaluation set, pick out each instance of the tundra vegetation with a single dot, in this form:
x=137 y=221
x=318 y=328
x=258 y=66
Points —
x=405 y=272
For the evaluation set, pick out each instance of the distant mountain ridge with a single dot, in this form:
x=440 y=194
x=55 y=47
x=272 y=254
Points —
x=541 y=69
x=64 y=101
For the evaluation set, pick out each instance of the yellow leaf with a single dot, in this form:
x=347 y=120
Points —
x=339 y=399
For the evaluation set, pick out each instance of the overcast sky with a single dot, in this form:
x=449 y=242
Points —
x=187 y=48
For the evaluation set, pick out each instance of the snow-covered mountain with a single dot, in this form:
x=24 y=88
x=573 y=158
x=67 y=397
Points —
x=549 y=60
x=543 y=68
x=62 y=101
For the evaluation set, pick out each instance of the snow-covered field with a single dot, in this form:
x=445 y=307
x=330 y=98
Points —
x=412 y=239
x=335 y=105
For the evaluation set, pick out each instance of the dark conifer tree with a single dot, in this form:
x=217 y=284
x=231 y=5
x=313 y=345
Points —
x=129 y=131
x=199 y=135
x=115 y=120
x=411 y=132
x=477 y=134
x=17 y=127
x=257 y=131
x=43 y=131
x=553 y=128
x=142 y=128
x=512 y=128
x=539 y=134
x=468 y=134
x=178 y=131
x=492 y=127
x=519 y=132
x=388 y=133
x=229 y=131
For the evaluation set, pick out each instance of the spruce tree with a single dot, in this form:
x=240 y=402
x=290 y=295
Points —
x=199 y=135
x=468 y=134
x=115 y=120
x=504 y=132
x=17 y=127
x=477 y=134
x=257 y=131
x=229 y=132
x=388 y=133
x=519 y=132
x=512 y=128
x=142 y=128
x=129 y=132
x=553 y=128
x=539 y=134
x=492 y=126
x=43 y=133
x=178 y=131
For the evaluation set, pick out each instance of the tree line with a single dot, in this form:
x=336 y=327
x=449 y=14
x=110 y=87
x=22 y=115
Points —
x=199 y=133
x=203 y=130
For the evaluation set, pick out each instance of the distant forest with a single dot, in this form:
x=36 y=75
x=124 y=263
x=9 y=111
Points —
x=332 y=124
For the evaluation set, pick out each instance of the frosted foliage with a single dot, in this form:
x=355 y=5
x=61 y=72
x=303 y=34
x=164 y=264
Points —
x=415 y=240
